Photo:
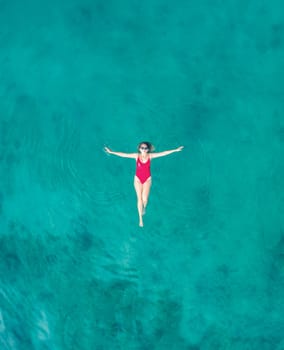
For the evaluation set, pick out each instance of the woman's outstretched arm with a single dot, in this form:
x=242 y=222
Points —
x=165 y=153
x=121 y=154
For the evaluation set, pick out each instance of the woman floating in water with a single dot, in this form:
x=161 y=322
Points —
x=142 y=178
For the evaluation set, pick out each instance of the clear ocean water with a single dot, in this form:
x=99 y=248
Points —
x=207 y=270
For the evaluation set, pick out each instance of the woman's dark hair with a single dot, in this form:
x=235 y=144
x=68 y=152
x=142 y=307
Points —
x=149 y=145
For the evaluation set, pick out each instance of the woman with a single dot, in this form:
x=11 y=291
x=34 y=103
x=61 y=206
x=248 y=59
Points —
x=142 y=178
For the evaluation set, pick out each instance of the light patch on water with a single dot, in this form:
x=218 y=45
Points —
x=2 y=324
x=43 y=332
x=7 y=340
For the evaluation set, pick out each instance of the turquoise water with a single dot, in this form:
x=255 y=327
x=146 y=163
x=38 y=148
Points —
x=207 y=270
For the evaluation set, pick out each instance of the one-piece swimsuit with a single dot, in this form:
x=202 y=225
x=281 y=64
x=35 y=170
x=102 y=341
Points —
x=143 y=170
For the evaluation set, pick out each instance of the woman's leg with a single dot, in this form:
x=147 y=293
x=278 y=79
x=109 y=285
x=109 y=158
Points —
x=138 y=188
x=145 y=192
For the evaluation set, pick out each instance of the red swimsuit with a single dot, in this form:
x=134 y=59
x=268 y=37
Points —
x=143 y=170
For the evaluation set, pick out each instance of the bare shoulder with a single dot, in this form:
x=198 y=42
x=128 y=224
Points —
x=133 y=155
x=153 y=155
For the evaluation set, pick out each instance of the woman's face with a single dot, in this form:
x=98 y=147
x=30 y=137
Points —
x=143 y=148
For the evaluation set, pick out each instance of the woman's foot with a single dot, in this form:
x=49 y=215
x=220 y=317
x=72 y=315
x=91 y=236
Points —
x=141 y=223
x=144 y=210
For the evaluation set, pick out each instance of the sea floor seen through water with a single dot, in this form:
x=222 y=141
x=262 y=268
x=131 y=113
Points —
x=206 y=270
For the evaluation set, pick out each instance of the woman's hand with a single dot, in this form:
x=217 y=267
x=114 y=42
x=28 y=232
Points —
x=179 y=148
x=108 y=150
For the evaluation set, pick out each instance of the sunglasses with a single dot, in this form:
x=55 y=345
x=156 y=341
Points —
x=145 y=148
